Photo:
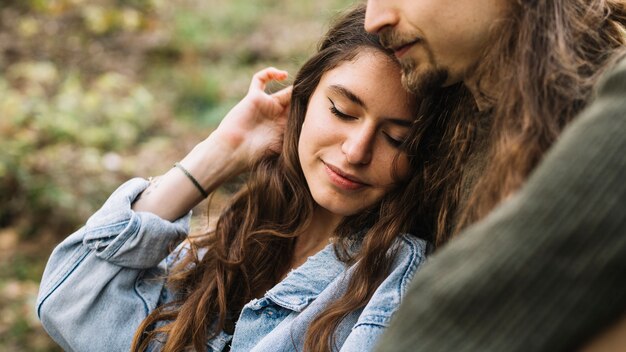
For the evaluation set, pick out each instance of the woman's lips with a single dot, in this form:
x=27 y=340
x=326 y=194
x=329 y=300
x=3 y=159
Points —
x=342 y=180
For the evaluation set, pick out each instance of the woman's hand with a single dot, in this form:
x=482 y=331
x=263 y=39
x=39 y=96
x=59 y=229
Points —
x=256 y=124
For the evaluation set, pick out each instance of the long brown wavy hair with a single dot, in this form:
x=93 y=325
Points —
x=252 y=244
x=538 y=73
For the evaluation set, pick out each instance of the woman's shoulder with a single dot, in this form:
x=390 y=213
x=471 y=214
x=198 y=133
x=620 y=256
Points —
x=410 y=253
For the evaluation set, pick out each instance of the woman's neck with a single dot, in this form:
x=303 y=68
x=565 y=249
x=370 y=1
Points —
x=316 y=236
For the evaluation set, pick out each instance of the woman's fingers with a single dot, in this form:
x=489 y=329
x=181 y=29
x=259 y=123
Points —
x=283 y=96
x=260 y=79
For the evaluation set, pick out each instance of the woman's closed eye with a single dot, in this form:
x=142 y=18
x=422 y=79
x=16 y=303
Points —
x=395 y=142
x=341 y=115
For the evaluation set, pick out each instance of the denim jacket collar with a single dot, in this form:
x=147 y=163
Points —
x=303 y=284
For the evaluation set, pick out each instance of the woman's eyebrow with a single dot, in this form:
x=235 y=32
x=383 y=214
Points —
x=341 y=90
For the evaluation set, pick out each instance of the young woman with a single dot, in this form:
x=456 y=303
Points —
x=313 y=254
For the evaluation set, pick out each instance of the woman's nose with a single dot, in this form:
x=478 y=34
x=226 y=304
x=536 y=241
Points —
x=358 y=145
x=380 y=14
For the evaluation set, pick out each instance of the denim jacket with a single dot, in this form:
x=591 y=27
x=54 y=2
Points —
x=104 y=279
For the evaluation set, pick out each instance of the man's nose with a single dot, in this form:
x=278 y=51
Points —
x=380 y=14
x=358 y=145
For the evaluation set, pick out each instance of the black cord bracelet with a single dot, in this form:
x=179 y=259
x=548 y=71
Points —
x=192 y=179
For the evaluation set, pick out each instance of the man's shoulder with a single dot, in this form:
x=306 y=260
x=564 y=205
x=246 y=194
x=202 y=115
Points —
x=614 y=79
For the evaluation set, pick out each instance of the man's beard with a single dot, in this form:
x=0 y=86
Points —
x=416 y=78
x=421 y=82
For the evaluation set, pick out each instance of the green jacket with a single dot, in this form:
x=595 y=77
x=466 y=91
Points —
x=545 y=271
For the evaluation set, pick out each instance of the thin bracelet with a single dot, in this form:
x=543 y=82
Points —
x=192 y=179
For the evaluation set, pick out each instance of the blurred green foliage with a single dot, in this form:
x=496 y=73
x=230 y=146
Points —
x=58 y=138
x=93 y=92
x=86 y=83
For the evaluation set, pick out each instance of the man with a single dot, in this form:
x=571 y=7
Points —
x=528 y=172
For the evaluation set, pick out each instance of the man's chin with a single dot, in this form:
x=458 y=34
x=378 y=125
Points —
x=423 y=82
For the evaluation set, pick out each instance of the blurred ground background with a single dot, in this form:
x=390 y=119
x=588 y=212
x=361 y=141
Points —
x=93 y=92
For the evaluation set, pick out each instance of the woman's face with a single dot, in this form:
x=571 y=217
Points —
x=356 y=119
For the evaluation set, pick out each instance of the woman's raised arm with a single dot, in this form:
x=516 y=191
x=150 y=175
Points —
x=254 y=126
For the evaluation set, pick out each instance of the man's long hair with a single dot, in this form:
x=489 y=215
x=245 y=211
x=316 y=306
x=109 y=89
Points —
x=538 y=73
x=252 y=245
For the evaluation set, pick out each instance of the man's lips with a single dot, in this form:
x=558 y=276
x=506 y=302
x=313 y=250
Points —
x=400 y=50
x=343 y=179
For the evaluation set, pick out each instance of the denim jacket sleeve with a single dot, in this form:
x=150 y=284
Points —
x=105 y=278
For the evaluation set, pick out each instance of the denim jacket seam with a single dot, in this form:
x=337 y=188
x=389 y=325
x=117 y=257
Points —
x=415 y=259
x=138 y=293
x=72 y=264
x=369 y=321
x=64 y=267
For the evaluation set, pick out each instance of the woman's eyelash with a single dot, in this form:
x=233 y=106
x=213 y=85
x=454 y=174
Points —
x=393 y=141
x=396 y=143
x=339 y=114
